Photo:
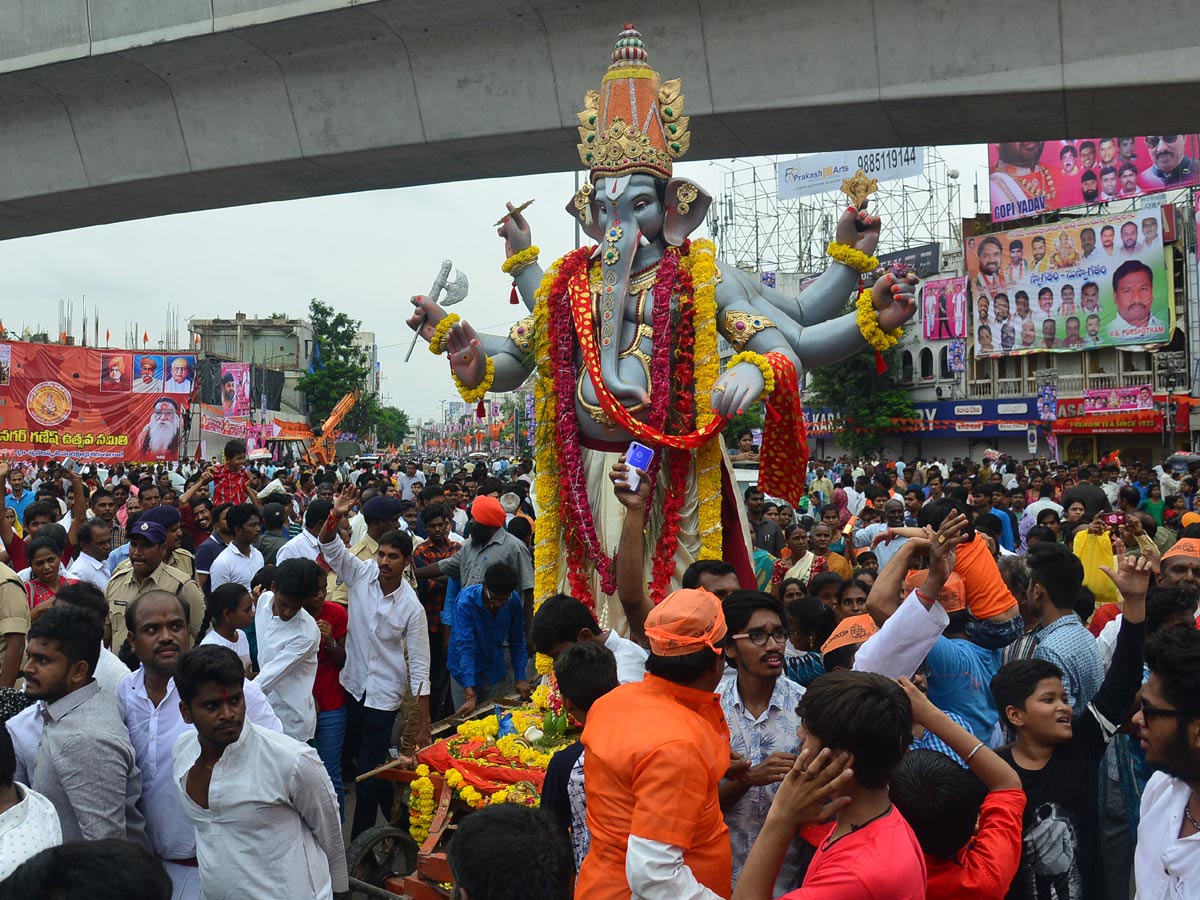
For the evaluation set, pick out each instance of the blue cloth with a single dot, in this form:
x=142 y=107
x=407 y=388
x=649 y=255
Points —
x=804 y=668
x=118 y=556
x=1071 y=647
x=477 y=638
x=330 y=736
x=20 y=505
x=994 y=635
x=930 y=741
x=453 y=588
x=371 y=730
x=960 y=681
x=1008 y=537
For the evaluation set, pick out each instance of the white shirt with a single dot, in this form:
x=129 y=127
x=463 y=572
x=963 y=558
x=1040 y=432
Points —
x=89 y=569
x=154 y=731
x=904 y=640
x=110 y=670
x=358 y=528
x=27 y=829
x=287 y=657
x=25 y=729
x=271 y=830
x=302 y=546
x=1165 y=866
x=241 y=646
x=379 y=626
x=406 y=484
x=231 y=565
x=1040 y=504
x=631 y=658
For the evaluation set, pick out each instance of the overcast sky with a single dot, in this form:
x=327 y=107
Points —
x=364 y=254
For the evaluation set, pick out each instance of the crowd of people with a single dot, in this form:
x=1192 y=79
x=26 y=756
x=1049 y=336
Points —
x=966 y=679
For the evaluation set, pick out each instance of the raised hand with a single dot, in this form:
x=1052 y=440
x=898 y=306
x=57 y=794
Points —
x=343 y=503
x=812 y=781
x=942 y=548
x=426 y=318
x=858 y=229
x=895 y=299
x=923 y=709
x=467 y=359
x=1132 y=576
x=5 y=468
x=736 y=389
x=618 y=475
x=515 y=231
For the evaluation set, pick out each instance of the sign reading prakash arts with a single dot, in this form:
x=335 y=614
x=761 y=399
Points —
x=101 y=405
x=1032 y=177
x=1070 y=285
x=824 y=172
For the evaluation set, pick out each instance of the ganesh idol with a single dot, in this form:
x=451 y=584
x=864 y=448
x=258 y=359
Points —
x=622 y=344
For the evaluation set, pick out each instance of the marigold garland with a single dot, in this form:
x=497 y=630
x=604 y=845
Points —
x=520 y=260
x=477 y=393
x=760 y=361
x=420 y=805
x=439 y=334
x=546 y=550
x=868 y=324
x=852 y=257
x=708 y=369
x=543 y=664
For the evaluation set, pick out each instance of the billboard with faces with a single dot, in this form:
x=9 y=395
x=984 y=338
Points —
x=1028 y=178
x=1070 y=285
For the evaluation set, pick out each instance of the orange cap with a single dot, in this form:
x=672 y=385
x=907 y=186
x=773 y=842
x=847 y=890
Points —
x=953 y=595
x=1190 y=518
x=851 y=630
x=685 y=622
x=1184 y=547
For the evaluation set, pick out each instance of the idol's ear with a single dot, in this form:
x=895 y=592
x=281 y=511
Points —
x=582 y=208
x=686 y=206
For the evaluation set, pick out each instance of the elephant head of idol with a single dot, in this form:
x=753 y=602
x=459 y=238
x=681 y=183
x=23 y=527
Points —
x=630 y=131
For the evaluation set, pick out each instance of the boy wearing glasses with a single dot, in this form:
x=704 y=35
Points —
x=760 y=708
x=1058 y=750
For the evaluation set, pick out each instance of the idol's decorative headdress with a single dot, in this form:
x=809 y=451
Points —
x=632 y=124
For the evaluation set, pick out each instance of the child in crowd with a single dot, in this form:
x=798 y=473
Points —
x=228 y=612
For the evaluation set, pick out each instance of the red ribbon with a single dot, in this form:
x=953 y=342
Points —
x=783 y=462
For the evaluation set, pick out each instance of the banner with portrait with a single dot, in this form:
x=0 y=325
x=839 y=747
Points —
x=944 y=308
x=1126 y=399
x=1032 y=177
x=91 y=405
x=1070 y=285
x=235 y=389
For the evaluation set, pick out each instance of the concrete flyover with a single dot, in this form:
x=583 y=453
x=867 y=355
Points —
x=115 y=111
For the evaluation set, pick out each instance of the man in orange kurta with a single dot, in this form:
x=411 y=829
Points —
x=654 y=753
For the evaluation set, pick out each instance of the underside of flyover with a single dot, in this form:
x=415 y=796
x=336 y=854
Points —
x=113 y=112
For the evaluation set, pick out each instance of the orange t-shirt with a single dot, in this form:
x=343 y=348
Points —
x=987 y=594
x=655 y=751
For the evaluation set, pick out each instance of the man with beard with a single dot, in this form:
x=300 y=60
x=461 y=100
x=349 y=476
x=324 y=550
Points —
x=248 y=790
x=1166 y=863
x=1087 y=240
x=1017 y=267
x=760 y=708
x=161 y=435
x=148 y=572
x=149 y=705
x=149 y=380
x=1089 y=186
x=85 y=763
x=228 y=394
x=990 y=254
x=1130 y=245
x=1171 y=165
x=1133 y=293
x=1108 y=237
x=1038 y=247
x=767 y=534
x=1020 y=184
x=104 y=507
x=488 y=544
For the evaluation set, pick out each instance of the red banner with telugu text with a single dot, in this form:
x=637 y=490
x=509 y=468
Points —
x=92 y=405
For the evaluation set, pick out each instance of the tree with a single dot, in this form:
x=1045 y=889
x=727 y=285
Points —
x=338 y=365
x=749 y=420
x=863 y=401
x=391 y=426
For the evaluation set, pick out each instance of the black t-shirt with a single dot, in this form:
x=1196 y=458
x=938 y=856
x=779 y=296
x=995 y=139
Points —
x=554 y=787
x=206 y=553
x=768 y=536
x=1060 y=841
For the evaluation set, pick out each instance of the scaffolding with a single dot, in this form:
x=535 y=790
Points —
x=756 y=231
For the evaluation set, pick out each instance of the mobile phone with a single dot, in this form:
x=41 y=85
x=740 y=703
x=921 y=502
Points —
x=638 y=456
x=1113 y=518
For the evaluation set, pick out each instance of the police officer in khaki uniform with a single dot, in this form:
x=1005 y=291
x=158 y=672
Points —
x=177 y=557
x=148 y=572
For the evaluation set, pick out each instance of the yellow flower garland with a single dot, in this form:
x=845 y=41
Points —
x=868 y=324
x=756 y=359
x=511 y=746
x=849 y=256
x=420 y=805
x=546 y=551
x=544 y=664
x=477 y=393
x=487 y=727
x=701 y=263
x=522 y=259
x=439 y=334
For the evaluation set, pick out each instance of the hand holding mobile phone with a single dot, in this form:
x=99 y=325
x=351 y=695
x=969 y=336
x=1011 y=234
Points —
x=638 y=456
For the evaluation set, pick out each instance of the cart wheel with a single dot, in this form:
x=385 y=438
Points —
x=380 y=853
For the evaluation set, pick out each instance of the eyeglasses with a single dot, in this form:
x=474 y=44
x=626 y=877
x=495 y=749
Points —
x=1152 y=140
x=1148 y=711
x=760 y=638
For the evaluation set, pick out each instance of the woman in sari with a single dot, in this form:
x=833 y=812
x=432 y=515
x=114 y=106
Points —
x=45 y=575
x=796 y=562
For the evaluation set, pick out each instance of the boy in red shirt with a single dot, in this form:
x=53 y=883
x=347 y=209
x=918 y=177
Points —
x=941 y=801
x=231 y=481
x=857 y=726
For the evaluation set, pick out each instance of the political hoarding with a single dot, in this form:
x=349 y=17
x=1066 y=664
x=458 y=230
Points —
x=235 y=389
x=1032 y=177
x=944 y=308
x=1126 y=399
x=58 y=401
x=1070 y=285
x=823 y=172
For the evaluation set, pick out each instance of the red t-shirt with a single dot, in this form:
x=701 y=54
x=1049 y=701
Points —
x=229 y=487
x=880 y=861
x=327 y=688
x=985 y=867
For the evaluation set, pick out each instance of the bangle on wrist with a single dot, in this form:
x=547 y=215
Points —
x=974 y=750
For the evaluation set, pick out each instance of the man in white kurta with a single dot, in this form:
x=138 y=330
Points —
x=267 y=823
x=288 y=641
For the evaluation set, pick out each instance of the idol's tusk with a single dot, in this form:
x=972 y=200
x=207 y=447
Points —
x=643 y=241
